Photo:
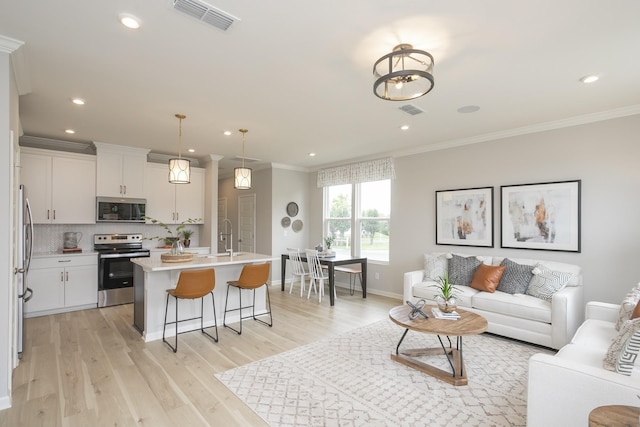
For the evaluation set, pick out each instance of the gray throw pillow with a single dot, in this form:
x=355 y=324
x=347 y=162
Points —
x=545 y=282
x=516 y=277
x=461 y=269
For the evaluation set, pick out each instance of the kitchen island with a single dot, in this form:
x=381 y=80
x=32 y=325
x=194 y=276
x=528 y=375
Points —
x=152 y=278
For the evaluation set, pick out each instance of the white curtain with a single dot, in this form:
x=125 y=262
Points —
x=371 y=170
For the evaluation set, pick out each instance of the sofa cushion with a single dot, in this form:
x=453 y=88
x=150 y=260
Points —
x=575 y=270
x=516 y=277
x=435 y=266
x=516 y=305
x=627 y=307
x=487 y=277
x=461 y=269
x=594 y=333
x=623 y=351
x=546 y=282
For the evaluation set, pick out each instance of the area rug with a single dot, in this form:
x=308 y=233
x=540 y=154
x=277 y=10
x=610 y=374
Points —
x=350 y=380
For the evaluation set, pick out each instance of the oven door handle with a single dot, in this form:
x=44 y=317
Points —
x=125 y=255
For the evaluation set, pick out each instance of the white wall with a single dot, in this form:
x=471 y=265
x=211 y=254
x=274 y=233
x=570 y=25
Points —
x=604 y=155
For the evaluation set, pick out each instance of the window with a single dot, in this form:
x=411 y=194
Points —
x=365 y=207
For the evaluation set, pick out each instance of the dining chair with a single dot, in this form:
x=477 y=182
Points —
x=192 y=284
x=316 y=273
x=298 y=269
x=251 y=278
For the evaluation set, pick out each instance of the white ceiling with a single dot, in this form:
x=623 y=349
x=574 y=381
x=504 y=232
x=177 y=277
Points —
x=298 y=74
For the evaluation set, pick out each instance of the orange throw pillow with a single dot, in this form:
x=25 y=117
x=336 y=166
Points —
x=636 y=311
x=487 y=277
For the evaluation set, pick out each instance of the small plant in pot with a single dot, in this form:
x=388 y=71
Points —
x=328 y=241
x=186 y=235
x=446 y=299
x=171 y=239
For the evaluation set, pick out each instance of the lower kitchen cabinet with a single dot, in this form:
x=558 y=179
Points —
x=62 y=283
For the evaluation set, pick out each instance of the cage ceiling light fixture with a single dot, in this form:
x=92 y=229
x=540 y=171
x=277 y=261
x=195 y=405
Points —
x=179 y=168
x=242 y=175
x=406 y=73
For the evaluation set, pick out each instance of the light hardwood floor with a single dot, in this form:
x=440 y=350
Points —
x=91 y=367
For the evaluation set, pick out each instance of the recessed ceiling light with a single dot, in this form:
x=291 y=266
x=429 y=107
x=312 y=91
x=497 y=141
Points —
x=312 y=154
x=227 y=132
x=71 y=131
x=589 y=79
x=78 y=101
x=191 y=150
x=404 y=127
x=129 y=21
x=468 y=109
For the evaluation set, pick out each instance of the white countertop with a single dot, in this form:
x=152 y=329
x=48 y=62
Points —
x=202 y=261
x=59 y=253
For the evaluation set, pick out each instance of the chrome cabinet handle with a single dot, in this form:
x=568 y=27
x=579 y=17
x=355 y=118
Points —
x=62 y=276
x=48 y=213
x=67 y=276
x=125 y=189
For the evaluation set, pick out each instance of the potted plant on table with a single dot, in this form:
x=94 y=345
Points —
x=328 y=241
x=446 y=298
x=186 y=235
x=171 y=239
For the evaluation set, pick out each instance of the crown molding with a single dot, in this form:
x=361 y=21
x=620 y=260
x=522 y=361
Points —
x=15 y=48
x=541 y=127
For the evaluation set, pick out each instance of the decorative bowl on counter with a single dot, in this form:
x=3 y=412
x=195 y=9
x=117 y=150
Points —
x=183 y=257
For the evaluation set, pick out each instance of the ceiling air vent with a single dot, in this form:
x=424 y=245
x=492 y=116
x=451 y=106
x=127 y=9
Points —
x=411 y=109
x=205 y=13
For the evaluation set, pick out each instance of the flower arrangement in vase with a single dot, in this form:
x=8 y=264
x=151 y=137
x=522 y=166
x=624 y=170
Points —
x=446 y=299
x=328 y=241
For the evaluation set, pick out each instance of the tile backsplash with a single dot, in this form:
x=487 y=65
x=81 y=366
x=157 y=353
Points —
x=49 y=237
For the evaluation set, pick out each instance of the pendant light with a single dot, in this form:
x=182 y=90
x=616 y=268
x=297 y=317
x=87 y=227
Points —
x=179 y=168
x=242 y=175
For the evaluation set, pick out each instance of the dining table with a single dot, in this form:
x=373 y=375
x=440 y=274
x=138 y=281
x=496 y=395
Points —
x=331 y=262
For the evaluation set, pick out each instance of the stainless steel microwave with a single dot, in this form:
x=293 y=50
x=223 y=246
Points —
x=117 y=209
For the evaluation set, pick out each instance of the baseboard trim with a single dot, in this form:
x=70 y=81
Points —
x=5 y=402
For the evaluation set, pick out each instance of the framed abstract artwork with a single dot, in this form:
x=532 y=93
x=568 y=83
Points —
x=465 y=217
x=543 y=216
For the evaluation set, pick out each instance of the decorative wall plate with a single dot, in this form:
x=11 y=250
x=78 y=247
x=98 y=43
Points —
x=285 y=222
x=292 y=209
x=297 y=225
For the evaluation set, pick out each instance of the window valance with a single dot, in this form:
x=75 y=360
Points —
x=370 y=170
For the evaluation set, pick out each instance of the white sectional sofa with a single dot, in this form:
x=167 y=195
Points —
x=563 y=389
x=523 y=317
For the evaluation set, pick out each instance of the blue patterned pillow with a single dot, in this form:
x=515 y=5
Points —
x=461 y=269
x=516 y=277
x=545 y=282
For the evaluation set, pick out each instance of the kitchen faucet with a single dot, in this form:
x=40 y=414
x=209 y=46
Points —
x=229 y=235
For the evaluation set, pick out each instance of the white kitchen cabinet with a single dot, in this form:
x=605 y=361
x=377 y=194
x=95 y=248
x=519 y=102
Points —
x=174 y=203
x=62 y=283
x=120 y=170
x=61 y=186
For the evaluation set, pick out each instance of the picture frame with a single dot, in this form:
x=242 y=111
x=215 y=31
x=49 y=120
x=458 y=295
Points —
x=464 y=217
x=543 y=216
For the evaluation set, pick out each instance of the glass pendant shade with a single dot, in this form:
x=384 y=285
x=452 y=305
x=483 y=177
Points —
x=406 y=73
x=242 y=178
x=179 y=171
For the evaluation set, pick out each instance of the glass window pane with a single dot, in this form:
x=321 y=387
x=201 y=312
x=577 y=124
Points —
x=339 y=198
x=374 y=240
x=375 y=199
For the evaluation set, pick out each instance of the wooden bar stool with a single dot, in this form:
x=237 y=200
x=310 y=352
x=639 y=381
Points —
x=192 y=284
x=352 y=271
x=252 y=277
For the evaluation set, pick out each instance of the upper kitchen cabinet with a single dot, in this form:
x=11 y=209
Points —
x=120 y=170
x=174 y=203
x=61 y=187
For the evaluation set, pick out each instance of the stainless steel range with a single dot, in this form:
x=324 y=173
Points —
x=115 y=269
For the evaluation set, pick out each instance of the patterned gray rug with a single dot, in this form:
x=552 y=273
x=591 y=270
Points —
x=350 y=380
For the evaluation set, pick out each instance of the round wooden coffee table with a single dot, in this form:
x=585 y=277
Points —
x=614 y=416
x=468 y=324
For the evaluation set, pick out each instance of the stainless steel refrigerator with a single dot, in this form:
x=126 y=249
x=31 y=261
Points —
x=25 y=250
